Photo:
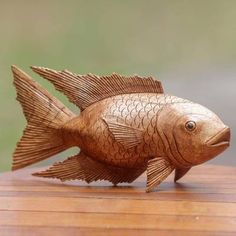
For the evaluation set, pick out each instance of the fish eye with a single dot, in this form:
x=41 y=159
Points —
x=190 y=125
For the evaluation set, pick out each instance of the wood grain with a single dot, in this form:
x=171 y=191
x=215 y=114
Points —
x=203 y=203
x=127 y=125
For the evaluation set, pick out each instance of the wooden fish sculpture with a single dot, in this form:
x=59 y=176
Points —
x=127 y=125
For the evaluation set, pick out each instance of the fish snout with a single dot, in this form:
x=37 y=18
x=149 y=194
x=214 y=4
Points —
x=222 y=138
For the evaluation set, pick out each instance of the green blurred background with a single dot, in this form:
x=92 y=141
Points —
x=190 y=45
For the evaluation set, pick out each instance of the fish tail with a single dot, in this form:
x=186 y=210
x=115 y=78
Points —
x=45 y=115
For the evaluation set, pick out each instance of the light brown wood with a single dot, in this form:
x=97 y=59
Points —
x=204 y=203
x=127 y=125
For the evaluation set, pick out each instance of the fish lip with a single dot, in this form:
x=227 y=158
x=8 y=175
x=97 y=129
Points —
x=222 y=138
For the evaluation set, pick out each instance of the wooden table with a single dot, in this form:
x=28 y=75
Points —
x=203 y=203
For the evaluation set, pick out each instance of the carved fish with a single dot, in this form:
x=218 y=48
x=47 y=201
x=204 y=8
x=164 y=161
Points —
x=127 y=125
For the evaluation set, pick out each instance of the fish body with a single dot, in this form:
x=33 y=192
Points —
x=132 y=119
x=127 y=125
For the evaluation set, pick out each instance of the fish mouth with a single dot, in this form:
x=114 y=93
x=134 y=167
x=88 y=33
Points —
x=222 y=138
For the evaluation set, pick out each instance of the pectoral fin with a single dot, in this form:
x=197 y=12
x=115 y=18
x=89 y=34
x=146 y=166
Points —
x=179 y=173
x=158 y=169
x=126 y=135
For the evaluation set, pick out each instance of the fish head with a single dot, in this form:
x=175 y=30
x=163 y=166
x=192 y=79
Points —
x=199 y=134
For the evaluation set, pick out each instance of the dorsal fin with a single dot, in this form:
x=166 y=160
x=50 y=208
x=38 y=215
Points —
x=84 y=90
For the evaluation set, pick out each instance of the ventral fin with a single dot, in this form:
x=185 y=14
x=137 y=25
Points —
x=180 y=172
x=84 y=90
x=157 y=170
x=85 y=168
x=128 y=136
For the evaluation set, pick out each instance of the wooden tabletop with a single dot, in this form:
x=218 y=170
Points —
x=203 y=203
